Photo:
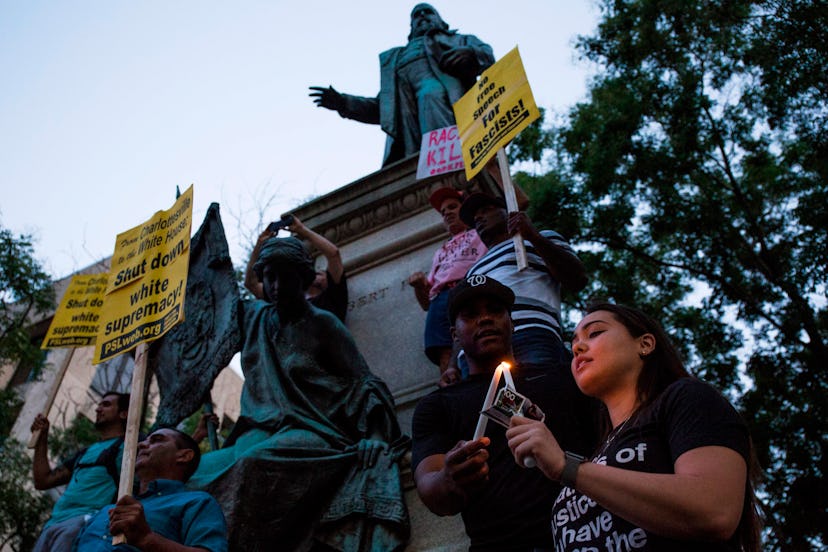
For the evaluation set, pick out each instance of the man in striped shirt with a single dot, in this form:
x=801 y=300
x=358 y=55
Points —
x=553 y=265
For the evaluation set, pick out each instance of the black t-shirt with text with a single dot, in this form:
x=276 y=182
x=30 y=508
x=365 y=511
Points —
x=689 y=414
x=511 y=511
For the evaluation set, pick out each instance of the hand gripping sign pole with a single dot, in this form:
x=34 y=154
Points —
x=212 y=438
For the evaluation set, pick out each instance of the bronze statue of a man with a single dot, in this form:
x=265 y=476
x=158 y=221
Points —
x=419 y=82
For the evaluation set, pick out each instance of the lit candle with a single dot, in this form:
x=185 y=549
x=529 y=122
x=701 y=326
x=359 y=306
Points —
x=502 y=369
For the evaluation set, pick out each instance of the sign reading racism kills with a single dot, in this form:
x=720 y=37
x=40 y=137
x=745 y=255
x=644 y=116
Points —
x=440 y=152
x=145 y=293
x=75 y=323
x=494 y=111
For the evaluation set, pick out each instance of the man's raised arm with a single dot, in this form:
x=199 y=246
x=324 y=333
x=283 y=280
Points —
x=562 y=264
x=45 y=477
x=330 y=251
x=251 y=280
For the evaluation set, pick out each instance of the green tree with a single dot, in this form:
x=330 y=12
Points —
x=25 y=290
x=22 y=510
x=694 y=177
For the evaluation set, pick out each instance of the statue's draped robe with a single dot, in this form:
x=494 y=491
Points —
x=388 y=109
x=290 y=475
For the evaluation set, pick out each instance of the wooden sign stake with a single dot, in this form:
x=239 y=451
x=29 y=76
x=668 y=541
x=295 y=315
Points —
x=136 y=404
x=50 y=400
x=511 y=206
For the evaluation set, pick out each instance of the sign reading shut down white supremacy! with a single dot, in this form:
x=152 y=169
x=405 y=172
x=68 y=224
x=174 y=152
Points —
x=145 y=295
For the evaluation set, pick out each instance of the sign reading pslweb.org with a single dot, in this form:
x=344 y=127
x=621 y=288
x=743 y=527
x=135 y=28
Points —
x=145 y=294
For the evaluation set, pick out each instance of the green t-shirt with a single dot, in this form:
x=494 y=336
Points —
x=91 y=487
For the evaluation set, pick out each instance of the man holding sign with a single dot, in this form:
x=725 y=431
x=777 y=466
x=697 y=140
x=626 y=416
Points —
x=552 y=267
x=92 y=474
x=164 y=515
x=504 y=506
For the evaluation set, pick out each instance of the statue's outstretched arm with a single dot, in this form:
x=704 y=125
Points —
x=329 y=97
x=358 y=108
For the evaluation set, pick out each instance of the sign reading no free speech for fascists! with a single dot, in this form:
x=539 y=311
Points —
x=494 y=111
x=145 y=294
x=75 y=323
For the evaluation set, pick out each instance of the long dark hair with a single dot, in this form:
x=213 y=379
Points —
x=662 y=367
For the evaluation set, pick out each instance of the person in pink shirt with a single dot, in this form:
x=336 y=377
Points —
x=449 y=265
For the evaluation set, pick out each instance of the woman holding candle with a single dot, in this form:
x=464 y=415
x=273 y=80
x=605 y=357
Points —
x=674 y=470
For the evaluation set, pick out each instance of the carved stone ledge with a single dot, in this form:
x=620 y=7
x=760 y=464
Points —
x=378 y=200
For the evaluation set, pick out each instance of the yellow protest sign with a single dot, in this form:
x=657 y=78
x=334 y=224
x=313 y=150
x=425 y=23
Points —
x=76 y=320
x=494 y=111
x=145 y=294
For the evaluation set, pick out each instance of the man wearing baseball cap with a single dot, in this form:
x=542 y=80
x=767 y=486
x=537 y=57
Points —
x=553 y=267
x=449 y=265
x=504 y=506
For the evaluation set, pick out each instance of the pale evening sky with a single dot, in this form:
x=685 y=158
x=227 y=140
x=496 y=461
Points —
x=106 y=106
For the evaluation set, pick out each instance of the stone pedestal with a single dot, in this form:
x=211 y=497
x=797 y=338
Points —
x=386 y=229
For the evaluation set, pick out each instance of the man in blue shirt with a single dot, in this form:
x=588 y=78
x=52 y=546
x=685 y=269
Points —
x=91 y=475
x=164 y=516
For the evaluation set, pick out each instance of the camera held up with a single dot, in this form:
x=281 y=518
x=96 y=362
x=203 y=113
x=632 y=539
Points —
x=282 y=223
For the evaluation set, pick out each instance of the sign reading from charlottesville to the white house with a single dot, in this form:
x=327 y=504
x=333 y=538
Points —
x=145 y=294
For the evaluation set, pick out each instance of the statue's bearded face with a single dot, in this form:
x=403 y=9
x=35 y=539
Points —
x=424 y=18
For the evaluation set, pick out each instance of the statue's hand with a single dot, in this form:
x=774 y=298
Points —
x=368 y=452
x=328 y=97
x=460 y=62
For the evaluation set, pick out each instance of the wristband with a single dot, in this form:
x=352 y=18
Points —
x=570 y=471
